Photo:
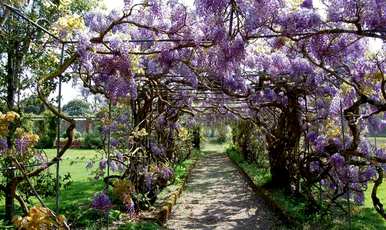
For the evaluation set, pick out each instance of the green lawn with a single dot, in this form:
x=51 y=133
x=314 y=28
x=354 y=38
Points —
x=367 y=217
x=74 y=161
x=79 y=193
x=381 y=141
x=83 y=186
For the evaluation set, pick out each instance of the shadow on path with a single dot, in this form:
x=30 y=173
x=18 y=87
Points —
x=217 y=196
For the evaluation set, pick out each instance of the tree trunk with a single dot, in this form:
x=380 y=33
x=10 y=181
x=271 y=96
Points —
x=196 y=137
x=13 y=64
x=278 y=167
x=282 y=149
x=10 y=192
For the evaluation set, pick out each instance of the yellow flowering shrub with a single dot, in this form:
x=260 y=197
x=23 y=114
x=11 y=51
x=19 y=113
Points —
x=39 y=218
x=69 y=23
x=5 y=119
x=122 y=187
x=183 y=134
x=332 y=129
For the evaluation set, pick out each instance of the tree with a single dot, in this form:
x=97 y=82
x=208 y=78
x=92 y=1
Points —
x=32 y=104
x=77 y=107
x=22 y=49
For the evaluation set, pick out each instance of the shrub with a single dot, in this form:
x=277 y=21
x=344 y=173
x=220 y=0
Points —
x=92 y=140
x=47 y=127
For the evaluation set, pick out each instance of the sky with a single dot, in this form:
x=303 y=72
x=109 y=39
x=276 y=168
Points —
x=71 y=92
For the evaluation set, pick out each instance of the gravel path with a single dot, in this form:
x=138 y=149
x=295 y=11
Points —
x=217 y=196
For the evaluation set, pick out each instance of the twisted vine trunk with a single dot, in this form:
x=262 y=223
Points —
x=196 y=137
x=282 y=146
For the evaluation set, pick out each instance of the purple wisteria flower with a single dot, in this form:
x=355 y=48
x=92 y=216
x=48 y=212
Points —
x=113 y=166
x=130 y=206
x=120 y=156
x=114 y=142
x=364 y=147
x=101 y=202
x=337 y=160
x=102 y=164
x=156 y=150
x=380 y=153
x=320 y=143
x=166 y=173
x=307 y=4
x=311 y=136
x=3 y=145
x=21 y=145
x=314 y=166
x=370 y=173
x=359 y=198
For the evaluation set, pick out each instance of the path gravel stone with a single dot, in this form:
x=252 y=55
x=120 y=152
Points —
x=217 y=196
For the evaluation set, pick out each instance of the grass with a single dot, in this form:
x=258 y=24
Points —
x=79 y=193
x=260 y=176
x=140 y=226
x=364 y=217
x=74 y=161
x=82 y=187
x=381 y=141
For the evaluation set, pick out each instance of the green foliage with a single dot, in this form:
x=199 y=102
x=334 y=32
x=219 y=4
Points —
x=77 y=107
x=81 y=6
x=32 y=105
x=44 y=184
x=77 y=134
x=222 y=134
x=140 y=226
x=181 y=171
x=26 y=122
x=47 y=128
x=260 y=176
x=245 y=137
x=93 y=140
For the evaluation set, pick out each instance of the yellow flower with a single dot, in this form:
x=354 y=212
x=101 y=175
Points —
x=346 y=88
x=19 y=132
x=139 y=134
x=153 y=168
x=333 y=132
x=183 y=134
x=11 y=116
x=3 y=129
x=37 y=218
x=122 y=187
x=60 y=219
x=379 y=76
